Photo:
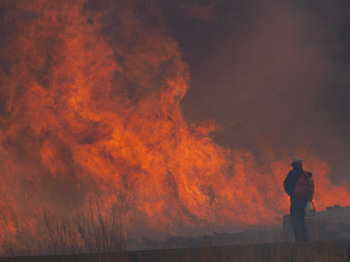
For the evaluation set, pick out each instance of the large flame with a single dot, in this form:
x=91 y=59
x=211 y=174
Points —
x=87 y=116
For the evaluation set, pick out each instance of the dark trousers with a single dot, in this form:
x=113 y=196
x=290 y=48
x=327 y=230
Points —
x=297 y=215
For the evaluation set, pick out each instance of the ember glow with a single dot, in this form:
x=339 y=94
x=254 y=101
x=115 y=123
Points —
x=87 y=117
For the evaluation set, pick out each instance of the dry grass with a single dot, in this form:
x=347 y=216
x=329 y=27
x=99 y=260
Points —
x=88 y=233
x=337 y=251
x=93 y=237
x=316 y=251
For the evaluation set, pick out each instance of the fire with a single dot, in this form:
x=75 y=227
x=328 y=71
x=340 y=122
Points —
x=87 y=116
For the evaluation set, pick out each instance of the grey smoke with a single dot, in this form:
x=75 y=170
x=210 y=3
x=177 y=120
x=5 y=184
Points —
x=270 y=72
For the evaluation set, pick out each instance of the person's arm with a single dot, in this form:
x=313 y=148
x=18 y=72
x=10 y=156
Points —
x=288 y=184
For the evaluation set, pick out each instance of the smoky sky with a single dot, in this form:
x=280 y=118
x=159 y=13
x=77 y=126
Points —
x=269 y=72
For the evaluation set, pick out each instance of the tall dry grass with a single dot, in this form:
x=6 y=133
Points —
x=96 y=237
x=90 y=232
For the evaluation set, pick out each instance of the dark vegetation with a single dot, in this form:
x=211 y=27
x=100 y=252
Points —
x=313 y=251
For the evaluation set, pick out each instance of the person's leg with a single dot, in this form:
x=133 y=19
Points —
x=295 y=218
x=305 y=234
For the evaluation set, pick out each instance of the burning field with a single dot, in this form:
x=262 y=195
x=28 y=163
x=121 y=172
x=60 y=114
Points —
x=91 y=122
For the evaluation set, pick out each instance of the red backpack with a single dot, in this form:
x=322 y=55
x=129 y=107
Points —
x=304 y=189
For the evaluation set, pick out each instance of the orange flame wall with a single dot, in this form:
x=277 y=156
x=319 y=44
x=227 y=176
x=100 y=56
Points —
x=86 y=115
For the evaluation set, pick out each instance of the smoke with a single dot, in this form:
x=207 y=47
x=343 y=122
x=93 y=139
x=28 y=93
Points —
x=272 y=74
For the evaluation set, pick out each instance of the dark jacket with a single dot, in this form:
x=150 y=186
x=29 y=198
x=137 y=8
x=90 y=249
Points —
x=291 y=181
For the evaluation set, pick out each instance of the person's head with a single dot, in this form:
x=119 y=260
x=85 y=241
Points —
x=297 y=162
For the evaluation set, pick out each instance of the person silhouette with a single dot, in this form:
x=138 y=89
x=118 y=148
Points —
x=297 y=207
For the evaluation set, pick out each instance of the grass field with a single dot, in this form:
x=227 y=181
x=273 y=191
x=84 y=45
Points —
x=96 y=237
x=313 y=251
x=88 y=233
